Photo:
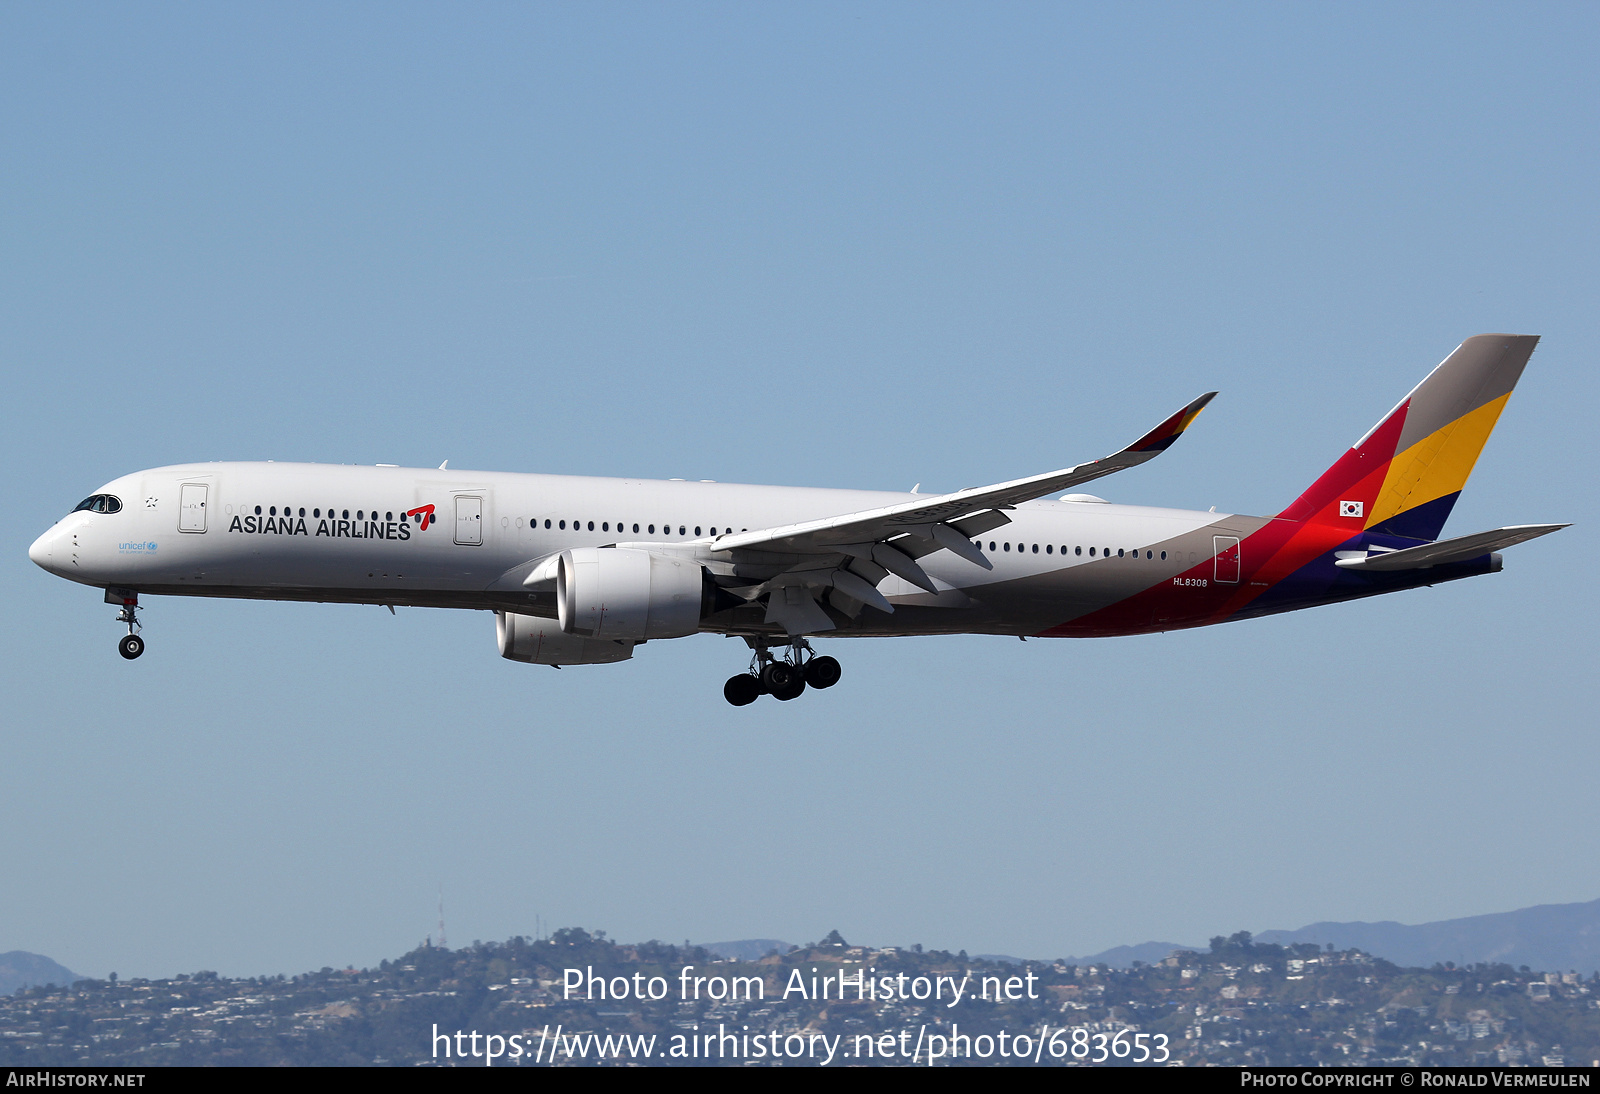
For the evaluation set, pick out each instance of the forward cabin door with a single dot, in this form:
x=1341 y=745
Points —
x=1226 y=550
x=469 y=520
x=192 y=507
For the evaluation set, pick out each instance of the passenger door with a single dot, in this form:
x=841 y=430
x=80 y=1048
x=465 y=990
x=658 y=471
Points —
x=192 y=507
x=1227 y=559
x=469 y=520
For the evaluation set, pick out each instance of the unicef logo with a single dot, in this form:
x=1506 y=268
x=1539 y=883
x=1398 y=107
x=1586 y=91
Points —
x=150 y=546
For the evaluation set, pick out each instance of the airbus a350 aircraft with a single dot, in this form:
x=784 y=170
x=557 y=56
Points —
x=579 y=571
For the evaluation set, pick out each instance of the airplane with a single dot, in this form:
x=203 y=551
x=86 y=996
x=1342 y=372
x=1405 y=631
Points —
x=581 y=571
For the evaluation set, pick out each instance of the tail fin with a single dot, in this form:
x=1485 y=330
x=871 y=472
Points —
x=1404 y=476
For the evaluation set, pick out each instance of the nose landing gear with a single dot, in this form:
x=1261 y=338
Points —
x=783 y=679
x=129 y=645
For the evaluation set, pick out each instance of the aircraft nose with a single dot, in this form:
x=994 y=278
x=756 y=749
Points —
x=43 y=550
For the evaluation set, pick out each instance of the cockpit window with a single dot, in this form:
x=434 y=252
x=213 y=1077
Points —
x=99 y=503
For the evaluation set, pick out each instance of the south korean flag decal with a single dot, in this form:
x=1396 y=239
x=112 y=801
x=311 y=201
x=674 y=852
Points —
x=1352 y=508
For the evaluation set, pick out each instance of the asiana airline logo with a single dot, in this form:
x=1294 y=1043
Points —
x=364 y=526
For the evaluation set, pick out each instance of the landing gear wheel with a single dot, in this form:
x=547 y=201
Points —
x=823 y=672
x=742 y=690
x=778 y=677
x=130 y=646
x=792 y=691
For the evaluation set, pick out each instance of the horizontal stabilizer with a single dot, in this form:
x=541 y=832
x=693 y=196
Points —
x=1459 y=549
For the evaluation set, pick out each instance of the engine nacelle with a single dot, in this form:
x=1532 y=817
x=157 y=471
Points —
x=619 y=592
x=542 y=642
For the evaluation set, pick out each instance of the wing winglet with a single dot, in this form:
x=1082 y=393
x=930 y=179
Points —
x=1161 y=437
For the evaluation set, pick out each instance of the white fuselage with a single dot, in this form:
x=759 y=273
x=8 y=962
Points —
x=368 y=535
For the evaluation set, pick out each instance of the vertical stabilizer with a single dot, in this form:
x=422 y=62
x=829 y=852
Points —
x=1404 y=476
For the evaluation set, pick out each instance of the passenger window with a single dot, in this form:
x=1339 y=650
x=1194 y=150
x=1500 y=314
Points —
x=1007 y=546
x=1035 y=548
x=1119 y=552
x=697 y=529
x=991 y=543
x=682 y=531
x=1048 y=549
x=272 y=511
x=635 y=527
x=1091 y=552
x=1075 y=550
x=386 y=516
x=563 y=526
x=605 y=526
x=1163 y=556
x=316 y=512
x=652 y=529
x=591 y=526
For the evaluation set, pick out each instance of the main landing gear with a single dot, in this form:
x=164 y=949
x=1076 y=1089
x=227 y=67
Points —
x=782 y=679
x=130 y=645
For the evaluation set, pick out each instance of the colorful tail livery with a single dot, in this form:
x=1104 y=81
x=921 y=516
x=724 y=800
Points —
x=1368 y=525
x=1404 y=476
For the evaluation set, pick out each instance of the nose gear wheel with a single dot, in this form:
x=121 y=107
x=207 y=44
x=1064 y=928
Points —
x=130 y=645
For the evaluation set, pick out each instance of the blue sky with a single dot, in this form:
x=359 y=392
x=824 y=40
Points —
x=834 y=245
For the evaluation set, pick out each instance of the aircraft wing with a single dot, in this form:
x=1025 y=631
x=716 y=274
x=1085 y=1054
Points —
x=951 y=520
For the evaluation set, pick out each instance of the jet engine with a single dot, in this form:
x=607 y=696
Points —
x=622 y=593
x=541 y=642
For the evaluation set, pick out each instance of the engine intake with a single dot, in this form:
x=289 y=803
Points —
x=622 y=593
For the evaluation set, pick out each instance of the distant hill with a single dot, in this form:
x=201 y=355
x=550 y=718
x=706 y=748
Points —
x=1552 y=937
x=19 y=969
x=747 y=949
x=1548 y=937
x=1123 y=957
